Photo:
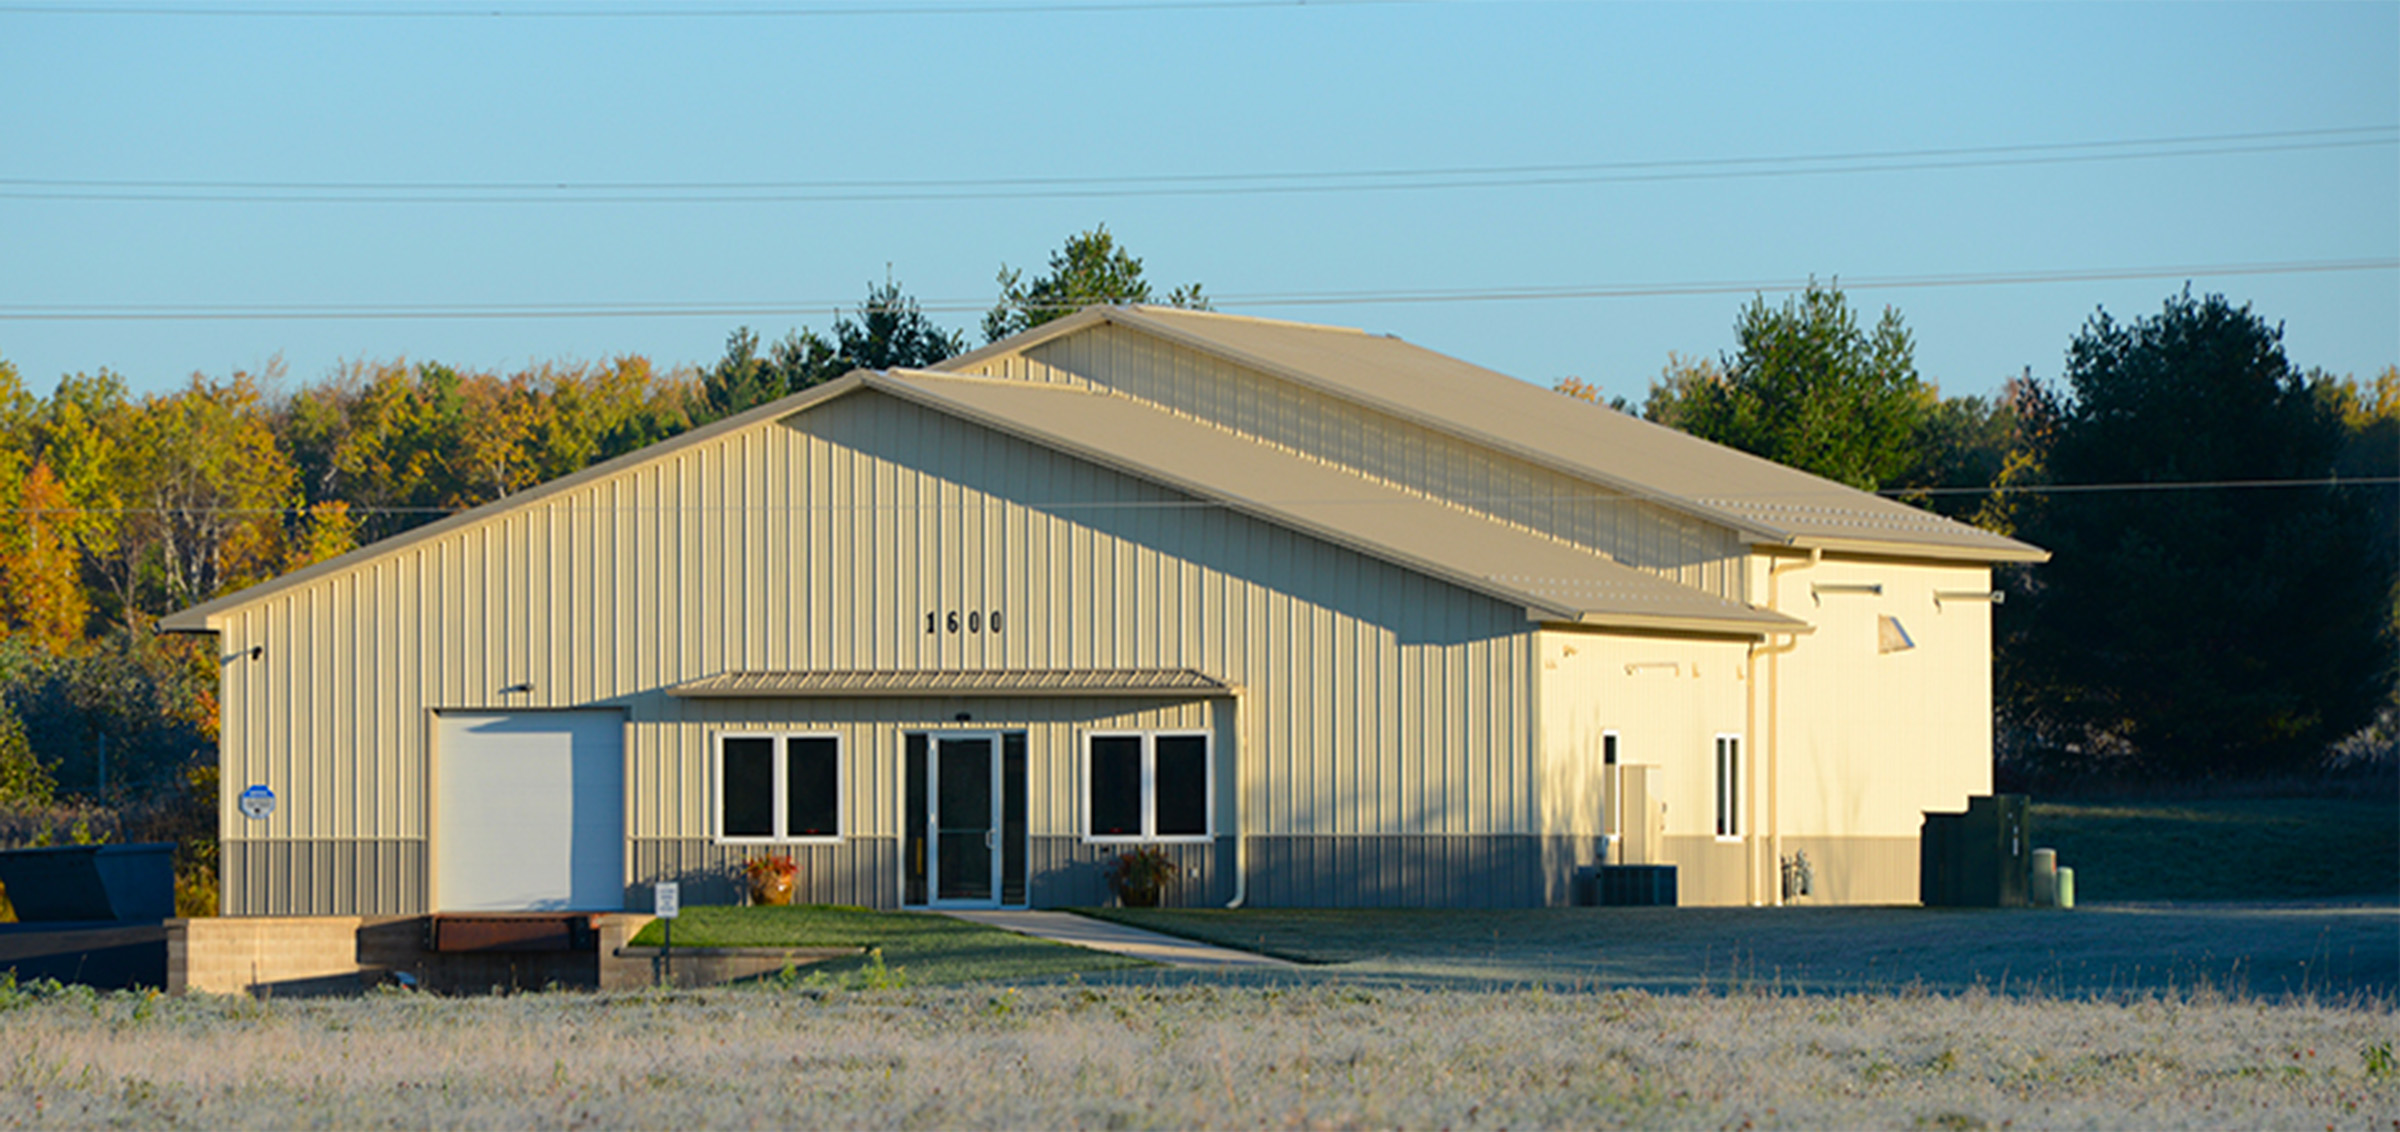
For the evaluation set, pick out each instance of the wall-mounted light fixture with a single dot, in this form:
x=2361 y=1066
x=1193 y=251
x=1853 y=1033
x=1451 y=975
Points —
x=1995 y=597
x=1671 y=666
x=517 y=689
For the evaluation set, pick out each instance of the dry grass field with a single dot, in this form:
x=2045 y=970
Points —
x=1128 y=1056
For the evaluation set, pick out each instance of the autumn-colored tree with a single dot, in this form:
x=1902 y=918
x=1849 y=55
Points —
x=493 y=457
x=41 y=583
x=212 y=487
x=85 y=431
x=326 y=531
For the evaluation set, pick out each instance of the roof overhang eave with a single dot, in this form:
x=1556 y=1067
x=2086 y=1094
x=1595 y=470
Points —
x=2010 y=549
x=1759 y=624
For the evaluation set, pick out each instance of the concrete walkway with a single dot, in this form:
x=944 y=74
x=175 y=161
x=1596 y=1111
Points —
x=1100 y=935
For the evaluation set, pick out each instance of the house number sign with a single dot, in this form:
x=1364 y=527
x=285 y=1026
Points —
x=969 y=621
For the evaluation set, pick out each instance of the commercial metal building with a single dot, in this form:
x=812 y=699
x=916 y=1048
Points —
x=1333 y=619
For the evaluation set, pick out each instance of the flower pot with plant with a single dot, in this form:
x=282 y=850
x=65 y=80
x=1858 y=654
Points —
x=1139 y=876
x=771 y=879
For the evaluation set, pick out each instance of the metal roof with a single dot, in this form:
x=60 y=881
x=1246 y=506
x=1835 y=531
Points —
x=1554 y=580
x=1766 y=501
x=980 y=682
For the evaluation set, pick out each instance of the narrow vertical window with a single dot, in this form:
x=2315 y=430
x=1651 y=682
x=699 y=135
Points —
x=1611 y=822
x=1729 y=786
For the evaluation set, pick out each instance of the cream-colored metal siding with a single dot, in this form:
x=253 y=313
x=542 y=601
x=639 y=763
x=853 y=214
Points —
x=1377 y=700
x=1097 y=570
x=1667 y=699
x=1871 y=740
x=1021 y=367
x=1843 y=761
x=1393 y=451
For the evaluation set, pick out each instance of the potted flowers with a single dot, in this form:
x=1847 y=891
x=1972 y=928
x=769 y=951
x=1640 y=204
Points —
x=1139 y=876
x=771 y=879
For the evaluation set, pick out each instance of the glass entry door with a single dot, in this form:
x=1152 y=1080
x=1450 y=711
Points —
x=966 y=826
x=965 y=819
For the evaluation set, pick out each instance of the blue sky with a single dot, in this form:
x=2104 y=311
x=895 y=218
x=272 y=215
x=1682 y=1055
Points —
x=1666 y=112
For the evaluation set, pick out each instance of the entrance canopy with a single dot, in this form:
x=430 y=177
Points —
x=974 y=682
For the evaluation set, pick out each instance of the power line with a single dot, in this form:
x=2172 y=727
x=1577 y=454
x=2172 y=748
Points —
x=2128 y=488
x=1205 y=504
x=84 y=312
x=1186 y=184
x=2385 y=133
x=488 y=11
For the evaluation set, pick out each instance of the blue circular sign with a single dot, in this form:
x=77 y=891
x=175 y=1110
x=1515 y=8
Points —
x=257 y=802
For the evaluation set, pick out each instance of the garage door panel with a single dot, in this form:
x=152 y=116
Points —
x=531 y=811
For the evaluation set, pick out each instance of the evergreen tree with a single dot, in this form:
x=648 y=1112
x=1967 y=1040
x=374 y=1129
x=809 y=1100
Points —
x=2216 y=628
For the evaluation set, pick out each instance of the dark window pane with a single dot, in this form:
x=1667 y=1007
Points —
x=918 y=817
x=1012 y=812
x=1182 y=784
x=1115 y=805
x=964 y=771
x=812 y=794
x=749 y=788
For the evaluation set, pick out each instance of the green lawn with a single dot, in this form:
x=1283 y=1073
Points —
x=917 y=948
x=2250 y=849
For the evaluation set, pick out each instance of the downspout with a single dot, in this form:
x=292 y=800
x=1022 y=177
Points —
x=1774 y=655
x=1241 y=856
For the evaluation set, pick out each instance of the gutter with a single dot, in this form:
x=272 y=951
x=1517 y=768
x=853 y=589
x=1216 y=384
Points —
x=1775 y=730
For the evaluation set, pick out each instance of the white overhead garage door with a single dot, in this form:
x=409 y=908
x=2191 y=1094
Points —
x=531 y=812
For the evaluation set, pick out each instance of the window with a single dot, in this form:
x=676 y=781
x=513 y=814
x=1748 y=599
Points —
x=1147 y=786
x=779 y=787
x=1729 y=786
x=1612 y=787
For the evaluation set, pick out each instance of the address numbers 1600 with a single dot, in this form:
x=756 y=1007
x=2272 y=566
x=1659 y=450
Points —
x=971 y=621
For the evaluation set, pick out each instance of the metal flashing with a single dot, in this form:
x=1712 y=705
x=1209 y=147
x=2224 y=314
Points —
x=1182 y=682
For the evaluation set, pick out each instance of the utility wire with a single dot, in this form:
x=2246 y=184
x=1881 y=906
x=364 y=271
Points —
x=1203 y=504
x=179 y=312
x=2367 y=134
x=736 y=11
x=1193 y=184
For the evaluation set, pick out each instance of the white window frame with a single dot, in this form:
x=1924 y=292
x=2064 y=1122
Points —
x=1727 y=773
x=1149 y=834
x=1612 y=783
x=782 y=764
